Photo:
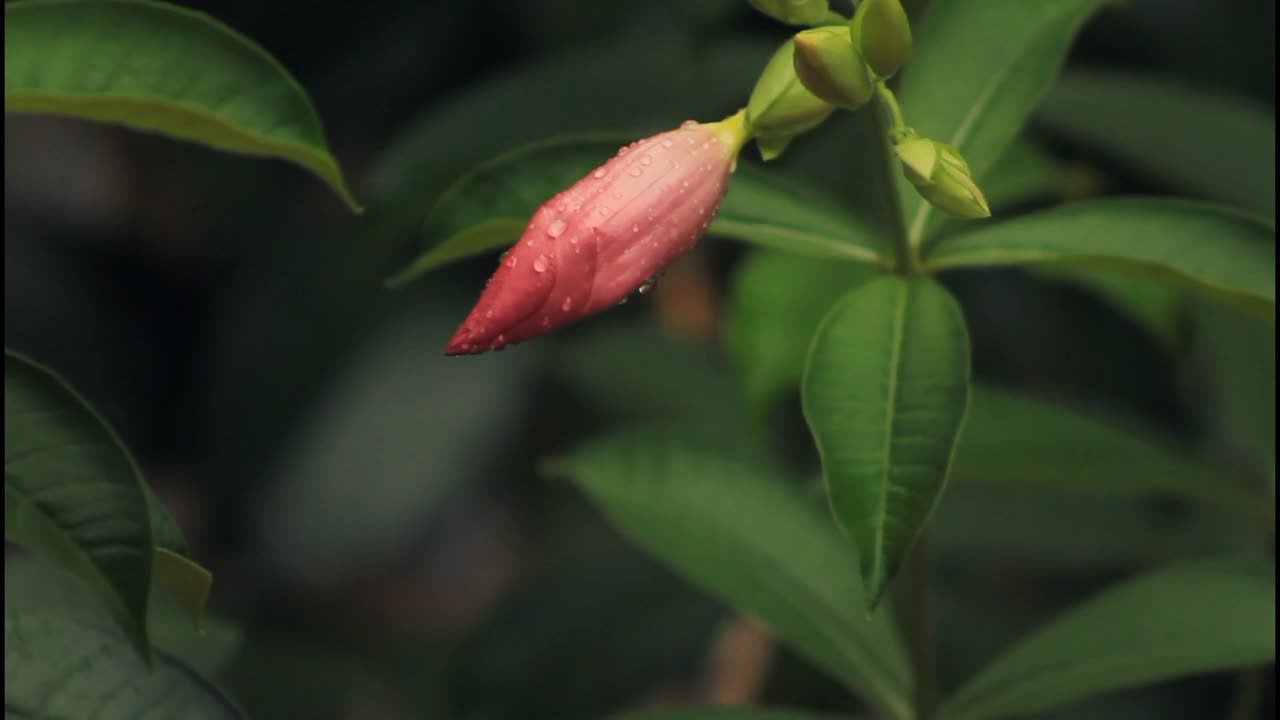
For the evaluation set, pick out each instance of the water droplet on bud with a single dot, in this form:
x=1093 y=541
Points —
x=688 y=124
x=540 y=265
x=599 y=173
x=635 y=172
x=567 y=305
x=557 y=228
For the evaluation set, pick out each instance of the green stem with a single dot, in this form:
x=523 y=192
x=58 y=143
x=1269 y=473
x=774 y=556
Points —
x=921 y=629
x=889 y=102
x=906 y=260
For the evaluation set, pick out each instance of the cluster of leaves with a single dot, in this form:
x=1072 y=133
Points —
x=881 y=361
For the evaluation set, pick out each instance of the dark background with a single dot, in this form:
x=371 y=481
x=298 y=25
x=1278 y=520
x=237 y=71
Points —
x=371 y=509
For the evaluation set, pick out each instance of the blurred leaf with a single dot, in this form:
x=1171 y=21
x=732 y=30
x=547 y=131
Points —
x=1014 y=439
x=776 y=303
x=1023 y=173
x=1212 y=249
x=411 y=424
x=720 y=713
x=640 y=374
x=489 y=207
x=33 y=584
x=186 y=579
x=885 y=391
x=1048 y=529
x=737 y=530
x=979 y=68
x=1152 y=305
x=73 y=494
x=57 y=666
x=160 y=67
x=1240 y=352
x=629 y=86
x=1177 y=621
x=1209 y=143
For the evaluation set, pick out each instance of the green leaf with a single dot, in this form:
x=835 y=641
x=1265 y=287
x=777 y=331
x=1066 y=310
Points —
x=1182 y=620
x=57 y=666
x=884 y=393
x=775 y=305
x=1225 y=145
x=979 y=68
x=1219 y=251
x=30 y=583
x=720 y=713
x=1024 y=173
x=490 y=206
x=160 y=67
x=73 y=493
x=737 y=530
x=1014 y=439
x=62 y=460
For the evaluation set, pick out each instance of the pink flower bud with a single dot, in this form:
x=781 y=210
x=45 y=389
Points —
x=592 y=245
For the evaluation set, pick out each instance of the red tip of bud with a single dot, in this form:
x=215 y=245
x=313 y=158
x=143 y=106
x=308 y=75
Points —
x=592 y=245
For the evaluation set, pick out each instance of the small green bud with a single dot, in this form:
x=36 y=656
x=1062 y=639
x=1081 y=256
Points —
x=780 y=105
x=882 y=34
x=772 y=146
x=793 y=12
x=829 y=66
x=941 y=176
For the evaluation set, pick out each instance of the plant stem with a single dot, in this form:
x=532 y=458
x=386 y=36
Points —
x=890 y=103
x=921 y=628
x=906 y=262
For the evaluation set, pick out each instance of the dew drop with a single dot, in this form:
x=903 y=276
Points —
x=567 y=305
x=646 y=160
x=635 y=172
x=540 y=265
x=624 y=150
x=688 y=124
x=635 y=228
x=488 y=314
x=601 y=172
x=546 y=321
x=647 y=286
x=557 y=228
x=511 y=261
x=668 y=142
x=602 y=211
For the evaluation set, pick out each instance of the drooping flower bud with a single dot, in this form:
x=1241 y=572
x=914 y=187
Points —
x=881 y=32
x=793 y=12
x=942 y=177
x=595 y=243
x=829 y=66
x=780 y=106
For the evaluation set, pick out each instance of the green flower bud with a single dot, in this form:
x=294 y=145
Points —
x=793 y=12
x=829 y=66
x=772 y=146
x=780 y=106
x=942 y=177
x=882 y=34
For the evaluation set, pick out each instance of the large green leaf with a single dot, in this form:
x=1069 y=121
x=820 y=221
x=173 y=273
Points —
x=56 y=666
x=738 y=530
x=73 y=494
x=1216 y=250
x=980 y=67
x=1200 y=140
x=1154 y=306
x=775 y=306
x=490 y=206
x=885 y=391
x=1014 y=439
x=720 y=713
x=1181 y=620
x=160 y=67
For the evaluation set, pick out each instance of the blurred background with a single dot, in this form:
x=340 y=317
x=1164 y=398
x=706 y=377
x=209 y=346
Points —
x=382 y=542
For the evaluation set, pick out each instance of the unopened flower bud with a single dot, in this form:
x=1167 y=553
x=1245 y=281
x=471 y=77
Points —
x=942 y=177
x=881 y=32
x=829 y=66
x=793 y=12
x=595 y=243
x=780 y=105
